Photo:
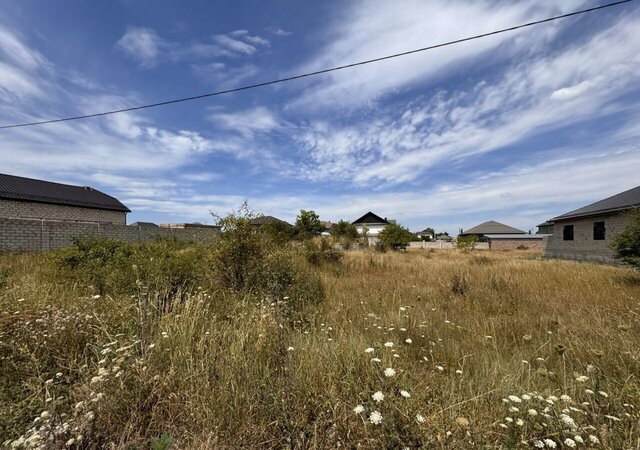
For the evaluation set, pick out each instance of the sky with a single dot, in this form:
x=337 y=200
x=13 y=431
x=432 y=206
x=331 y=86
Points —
x=517 y=127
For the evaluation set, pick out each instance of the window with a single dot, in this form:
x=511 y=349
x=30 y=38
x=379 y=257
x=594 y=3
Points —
x=567 y=233
x=598 y=231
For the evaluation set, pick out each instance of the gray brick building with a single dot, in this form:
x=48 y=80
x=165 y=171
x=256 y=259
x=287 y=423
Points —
x=587 y=233
x=28 y=198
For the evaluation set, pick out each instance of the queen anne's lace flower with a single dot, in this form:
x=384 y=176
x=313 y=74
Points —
x=378 y=396
x=375 y=418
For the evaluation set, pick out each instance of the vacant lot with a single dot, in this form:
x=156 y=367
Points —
x=417 y=349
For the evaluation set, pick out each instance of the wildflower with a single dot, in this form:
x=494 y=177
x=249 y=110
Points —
x=458 y=372
x=462 y=421
x=45 y=414
x=591 y=368
x=588 y=391
x=582 y=379
x=504 y=426
x=578 y=439
x=389 y=372
x=375 y=418
x=565 y=398
x=95 y=297
x=532 y=412
x=290 y=349
x=58 y=375
x=513 y=409
x=525 y=397
x=594 y=439
x=405 y=394
x=408 y=341
x=369 y=350
x=519 y=422
x=603 y=393
x=508 y=419
x=440 y=368
x=568 y=420
x=538 y=444
x=420 y=418
x=388 y=344
x=514 y=399
x=358 y=409
x=70 y=442
x=402 y=308
x=375 y=360
x=569 y=442
x=549 y=443
x=378 y=396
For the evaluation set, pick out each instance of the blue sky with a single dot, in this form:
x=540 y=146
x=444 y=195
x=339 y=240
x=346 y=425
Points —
x=517 y=127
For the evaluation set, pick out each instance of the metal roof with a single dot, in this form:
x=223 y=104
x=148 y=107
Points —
x=615 y=203
x=492 y=227
x=31 y=190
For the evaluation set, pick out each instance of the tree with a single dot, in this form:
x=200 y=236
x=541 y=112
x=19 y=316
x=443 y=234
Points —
x=396 y=236
x=430 y=232
x=344 y=229
x=466 y=243
x=627 y=243
x=308 y=224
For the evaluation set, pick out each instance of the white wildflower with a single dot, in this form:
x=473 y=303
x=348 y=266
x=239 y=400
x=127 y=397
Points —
x=375 y=360
x=519 y=422
x=369 y=350
x=565 y=398
x=358 y=409
x=458 y=372
x=578 y=439
x=378 y=396
x=526 y=397
x=538 y=444
x=549 y=443
x=388 y=344
x=290 y=349
x=582 y=379
x=569 y=442
x=420 y=418
x=405 y=394
x=603 y=393
x=440 y=368
x=408 y=341
x=375 y=418
x=594 y=439
x=532 y=412
x=514 y=399
x=389 y=372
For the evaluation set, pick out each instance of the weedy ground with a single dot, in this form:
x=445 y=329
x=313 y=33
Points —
x=408 y=350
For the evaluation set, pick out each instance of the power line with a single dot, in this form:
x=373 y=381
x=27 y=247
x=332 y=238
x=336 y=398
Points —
x=317 y=72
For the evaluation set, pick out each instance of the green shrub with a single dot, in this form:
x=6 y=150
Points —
x=627 y=243
x=395 y=236
x=522 y=247
x=466 y=244
x=324 y=253
x=345 y=230
x=164 y=267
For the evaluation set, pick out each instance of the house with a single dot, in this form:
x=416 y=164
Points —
x=587 y=233
x=143 y=224
x=427 y=234
x=372 y=224
x=267 y=220
x=28 y=198
x=490 y=227
x=545 y=228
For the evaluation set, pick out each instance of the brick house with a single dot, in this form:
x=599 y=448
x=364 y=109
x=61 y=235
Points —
x=587 y=233
x=489 y=227
x=28 y=198
x=373 y=224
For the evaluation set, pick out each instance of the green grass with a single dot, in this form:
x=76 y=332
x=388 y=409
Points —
x=216 y=369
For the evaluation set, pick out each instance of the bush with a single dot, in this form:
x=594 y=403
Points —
x=345 y=230
x=308 y=225
x=395 y=236
x=627 y=243
x=466 y=244
x=165 y=267
x=324 y=253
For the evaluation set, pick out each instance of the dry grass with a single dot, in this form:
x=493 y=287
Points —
x=217 y=371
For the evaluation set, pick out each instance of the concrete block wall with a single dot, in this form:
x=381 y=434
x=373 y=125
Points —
x=46 y=211
x=584 y=247
x=513 y=244
x=31 y=235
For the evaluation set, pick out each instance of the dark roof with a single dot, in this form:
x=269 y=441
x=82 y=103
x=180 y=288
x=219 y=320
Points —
x=31 y=190
x=143 y=224
x=548 y=223
x=370 y=218
x=264 y=220
x=492 y=227
x=515 y=236
x=615 y=203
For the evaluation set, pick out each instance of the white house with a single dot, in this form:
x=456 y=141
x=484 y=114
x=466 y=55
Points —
x=373 y=224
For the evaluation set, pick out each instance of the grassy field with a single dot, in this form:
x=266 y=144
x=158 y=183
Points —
x=414 y=349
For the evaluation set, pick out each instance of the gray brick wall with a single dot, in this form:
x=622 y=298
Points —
x=34 y=210
x=34 y=235
x=584 y=247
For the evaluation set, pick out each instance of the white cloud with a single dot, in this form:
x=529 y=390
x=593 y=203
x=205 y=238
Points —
x=278 y=31
x=370 y=29
x=248 y=122
x=144 y=45
x=224 y=76
x=570 y=92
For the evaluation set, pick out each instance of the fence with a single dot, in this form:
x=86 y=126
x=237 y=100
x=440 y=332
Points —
x=444 y=245
x=34 y=235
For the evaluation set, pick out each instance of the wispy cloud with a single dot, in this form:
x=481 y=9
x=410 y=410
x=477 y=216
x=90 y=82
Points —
x=248 y=122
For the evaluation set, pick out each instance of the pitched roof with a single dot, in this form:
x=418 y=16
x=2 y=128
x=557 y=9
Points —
x=263 y=220
x=143 y=224
x=492 y=227
x=32 y=190
x=615 y=203
x=515 y=236
x=370 y=218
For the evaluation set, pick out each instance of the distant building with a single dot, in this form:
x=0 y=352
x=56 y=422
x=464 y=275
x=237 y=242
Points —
x=28 y=198
x=143 y=224
x=265 y=220
x=426 y=234
x=183 y=226
x=490 y=227
x=373 y=224
x=587 y=233
x=545 y=228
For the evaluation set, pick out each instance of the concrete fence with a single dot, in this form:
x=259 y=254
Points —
x=34 y=235
x=444 y=245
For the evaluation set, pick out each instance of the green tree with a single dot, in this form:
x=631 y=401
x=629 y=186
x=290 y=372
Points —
x=627 y=243
x=344 y=229
x=466 y=243
x=396 y=236
x=308 y=224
